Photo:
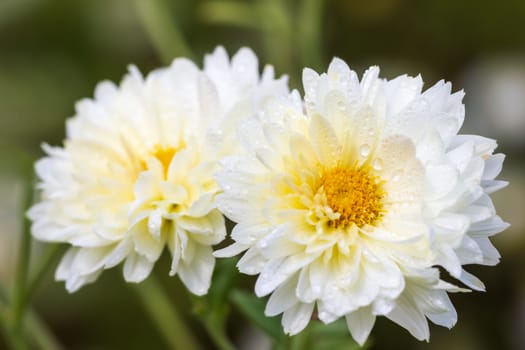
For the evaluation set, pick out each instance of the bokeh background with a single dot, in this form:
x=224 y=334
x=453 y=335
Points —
x=53 y=52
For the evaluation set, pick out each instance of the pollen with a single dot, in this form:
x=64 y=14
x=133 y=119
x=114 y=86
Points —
x=355 y=193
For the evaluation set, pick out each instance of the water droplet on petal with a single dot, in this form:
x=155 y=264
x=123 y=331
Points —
x=364 y=150
x=377 y=164
x=396 y=176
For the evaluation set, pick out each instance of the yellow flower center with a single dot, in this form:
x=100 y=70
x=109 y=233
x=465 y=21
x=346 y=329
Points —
x=355 y=194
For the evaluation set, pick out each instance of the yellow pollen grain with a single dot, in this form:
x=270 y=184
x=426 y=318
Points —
x=355 y=194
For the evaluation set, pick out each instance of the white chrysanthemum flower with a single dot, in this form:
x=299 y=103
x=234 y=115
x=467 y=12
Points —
x=136 y=170
x=345 y=202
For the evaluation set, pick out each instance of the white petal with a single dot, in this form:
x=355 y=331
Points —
x=469 y=252
x=310 y=81
x=64 y=267
x=231 y=250
x=488 y=227
x=490 y=253
x=471 y=281
x=407 y=315
x=324 y=139
x=370 y=84
x=304 y=291
x=245 y=65
x=75 y=282
x=180 y=166
x=146 y=244
x=209 y=229
x=460 y=156
x=277 y=244
x=146 y=186
x=137 y=268
x=89 y=260
x=208 y=98
x=449 y=317
x=202 y=206
x=252 y=262
x=196 y=274
x=174 y=245
x=493 y=166
x=154 y=226
x=441 y=179
x=277 y=271
x=360 y=324
x=269 y=158
x=493 y=186
x=282 y=299
x=118 y=253
x=296 y=318
x=400 y=91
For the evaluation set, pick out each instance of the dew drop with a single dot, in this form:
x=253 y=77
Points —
x=396 y=176
x=364 y=150
x=377 y=164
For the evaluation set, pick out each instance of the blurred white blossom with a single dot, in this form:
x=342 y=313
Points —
x=135 y=174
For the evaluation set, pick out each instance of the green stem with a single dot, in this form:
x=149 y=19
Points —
x=13 y=341
x=42 y=267
x=162 y=312
x=217 y=334
x=226 y=12
x=19 y=289
x=213 y=309
x=162 y=29
x=37 y=329
x=40 y=333
x=300 y=341
x=276 y=23
x=309 y=32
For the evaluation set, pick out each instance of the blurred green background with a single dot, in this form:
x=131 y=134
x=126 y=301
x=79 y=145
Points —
x=53 y=52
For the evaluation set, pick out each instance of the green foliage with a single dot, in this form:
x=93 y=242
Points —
x=252 y=308
x=316 y=336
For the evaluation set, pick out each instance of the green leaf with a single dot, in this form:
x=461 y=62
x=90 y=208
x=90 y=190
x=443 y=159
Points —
x=253 y=309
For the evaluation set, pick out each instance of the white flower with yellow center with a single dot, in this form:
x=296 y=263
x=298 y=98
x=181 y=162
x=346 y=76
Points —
x=346 y=201
x=136 y=171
